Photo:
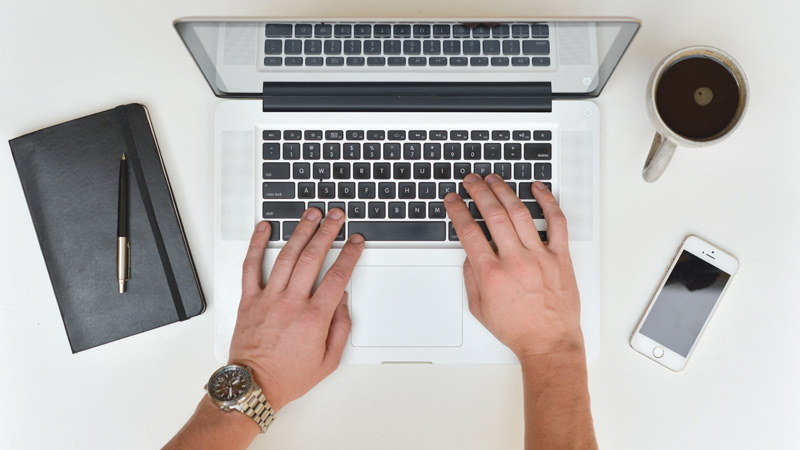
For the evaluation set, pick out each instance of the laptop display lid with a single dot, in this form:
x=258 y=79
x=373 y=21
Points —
x=558 y=58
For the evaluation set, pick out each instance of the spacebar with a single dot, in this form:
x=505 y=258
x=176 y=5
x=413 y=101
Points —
x=398 y=231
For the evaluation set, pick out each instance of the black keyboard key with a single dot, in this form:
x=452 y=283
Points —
x=412 y=47
x=473 y=209
x=520 y=61
x=312 y=47
x=538 y=152
x=482 y=169
x=382 y=31
x=322 y=30
x=342 y=31
x=279 y=30
x=303 y=30
x=446 y=188
x=525 y=191
x=333 y=47
x=432 y=150
x=501 y=135
x=351 y=150
x=321 y=171
x=412 y=151
x=503 y=169
x=341 y=171
x=452 y=151
x=293 y=61
x=542 y=171
x=334 y=135
x=275 y=231
x=522 y=171
x=491 y=151
x=520 y=31
x=396 y=135
x=347 y=190
x=401 y=171
x=352 y=47
x=275 y=171
x=356 y=210
x=427 y=190
x=501 y=31
x=273 y=47
x=459 y=135
x=422 y=31
x=472 y=47
x=402 y=31
x=491 y=47
x=282 y=210
x=334 y=61
x=292 y=135
x=481 y=31
x=362 y=31
x=392 y=47
x=288 y=229
x=311 y=150
x=407 y=190
x=438 y=135
x=436 y=210
x=512 y=151
x=500 y=61
x=417 y=135
x=438 y=61
x=472 y=151
x=291 y=150
x=542 y=135
x=382 y=171
x=422 y=171
x=361 y=171
x=535 y=209
x=313 y=135
x=431 y=47
x=273 y=61
x=376 y=210
x=301 y=171
x=314 y=61
x=372 y=47
x=376 y=61
x=398 y=231
x=441 y=31
x=479 y=135
x=376 y=135
x=387 y=190
x=366 y=189
x=331 y=150
x=417 y=61
x=522 y=135
x=271 y=151
x=540 y=30
x=372 y=150
x=391 y=151
x=354 y=135
x=306 y=190
x=461 y=31
x=416 y=210
x=355 y=61
x=293 y=47
x=460 y=170
x=397 y=210
x=277 y=190
x=326 y=190
x=535 y=47
x=451 y=47
x=511 y=47
x=540 y=61
x=271 y=135
x=479 y=61
x=397 y=61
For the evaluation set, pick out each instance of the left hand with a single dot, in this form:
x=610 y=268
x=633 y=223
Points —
x=291 y=335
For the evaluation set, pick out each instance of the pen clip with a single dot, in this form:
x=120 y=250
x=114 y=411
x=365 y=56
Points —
x=128 y=274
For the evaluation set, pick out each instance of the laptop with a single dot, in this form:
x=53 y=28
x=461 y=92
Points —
x=382 y=118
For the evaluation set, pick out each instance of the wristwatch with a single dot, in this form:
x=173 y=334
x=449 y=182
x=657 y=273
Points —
x=233 y=387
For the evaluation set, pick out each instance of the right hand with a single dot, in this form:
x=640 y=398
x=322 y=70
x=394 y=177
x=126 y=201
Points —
x=524 y=292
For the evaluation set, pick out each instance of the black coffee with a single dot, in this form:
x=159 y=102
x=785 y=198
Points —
x=697 y=97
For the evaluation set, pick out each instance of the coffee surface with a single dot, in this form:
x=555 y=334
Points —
x=697 y=97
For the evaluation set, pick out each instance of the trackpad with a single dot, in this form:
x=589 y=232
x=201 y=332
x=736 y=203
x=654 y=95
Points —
x=406 y=306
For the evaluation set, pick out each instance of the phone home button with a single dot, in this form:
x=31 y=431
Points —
x=658 y=352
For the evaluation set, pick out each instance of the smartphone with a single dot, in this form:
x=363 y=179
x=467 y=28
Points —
x=684 y=302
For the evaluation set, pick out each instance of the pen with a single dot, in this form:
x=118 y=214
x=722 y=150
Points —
x=123 y=246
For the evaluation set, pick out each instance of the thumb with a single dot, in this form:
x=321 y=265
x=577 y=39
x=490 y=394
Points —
x=338 y=333
x=473 y=293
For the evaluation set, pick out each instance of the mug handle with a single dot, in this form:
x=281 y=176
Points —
x=661 y=152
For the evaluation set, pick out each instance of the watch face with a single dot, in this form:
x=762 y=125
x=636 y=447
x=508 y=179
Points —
x=230 y=384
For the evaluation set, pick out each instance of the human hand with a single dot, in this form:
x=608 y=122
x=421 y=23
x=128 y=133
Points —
x=524 y=292
x=290 y=335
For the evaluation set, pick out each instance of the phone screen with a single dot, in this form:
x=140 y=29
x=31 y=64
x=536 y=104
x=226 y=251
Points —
x=684 y=304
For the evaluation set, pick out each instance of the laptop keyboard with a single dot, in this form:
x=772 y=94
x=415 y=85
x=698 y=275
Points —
x=410 y=45
x=391 y=182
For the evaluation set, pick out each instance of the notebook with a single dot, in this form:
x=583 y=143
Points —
x=70 y=177
x=382 y=118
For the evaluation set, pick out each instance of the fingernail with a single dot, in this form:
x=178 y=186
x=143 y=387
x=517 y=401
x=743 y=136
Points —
x=539 y=185
x=335 y=213
x=471 y=178
x=450 y=197
x=356 y=239
x=312 y=214
x=492 y=178
x=261 y=226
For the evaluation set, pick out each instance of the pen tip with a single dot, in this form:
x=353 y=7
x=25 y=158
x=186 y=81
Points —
x=121 y=287
x=123 y=156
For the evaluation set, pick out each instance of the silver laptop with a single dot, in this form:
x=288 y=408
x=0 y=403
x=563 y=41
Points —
x=384 y=117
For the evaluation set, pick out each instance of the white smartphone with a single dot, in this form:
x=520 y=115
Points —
x=687 y=297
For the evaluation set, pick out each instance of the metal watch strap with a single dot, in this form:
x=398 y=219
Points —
x=258 y=408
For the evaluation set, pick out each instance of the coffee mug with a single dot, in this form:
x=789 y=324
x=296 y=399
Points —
x=696 y=97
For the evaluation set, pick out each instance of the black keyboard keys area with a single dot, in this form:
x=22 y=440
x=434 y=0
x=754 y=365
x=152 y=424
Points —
x=391 y=182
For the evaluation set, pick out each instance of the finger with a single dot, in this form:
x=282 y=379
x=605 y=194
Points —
x=309 y=262
x=502 y=230
x=556 y=221
x=335 y=280
x=473 y=293
x=287 y=258
x=519 y=214
x=469 y=232
x=337 y=335
x=252 y=276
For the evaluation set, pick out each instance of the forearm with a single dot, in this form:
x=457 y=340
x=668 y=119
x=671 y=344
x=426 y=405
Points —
x=212 y=428
x=557 y=408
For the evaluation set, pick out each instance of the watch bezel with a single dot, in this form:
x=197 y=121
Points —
x=235 y=403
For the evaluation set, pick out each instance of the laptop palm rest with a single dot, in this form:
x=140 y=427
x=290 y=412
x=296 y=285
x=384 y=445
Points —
x=406 y=306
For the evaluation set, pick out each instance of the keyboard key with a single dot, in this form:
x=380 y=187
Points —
x=422 y=31
x=459 y=135
x=438 y=61
x=391 y=151
x=460 y=170
x=273 y=47
x=354 y=135
x=355 y=61
x=387 y=190
x=306 y=190
x=472 y=47
x=382 y=31
x=540 y=30
x=372 y=150
x=319 y=205
x=520 y=31
x=542 y=135
x=481 y=31
x=382 y=171
x=356 y=210
x=277 y=190
x=376 y=135
x=503 y=169
x=412 y=47
x=334 y=61
x=341 y=171
x=520 y=61
x=275 y=171
x=479 y=61
x=301 y=171
x=398 y=231
x=271 y=135
x=334 y=135
x=491 y=151
x=436 y=210
x=472 y=151
x=342 y=31
x=291 y=150
x=288 y=229
x=422 y=171
x=522 y=135
x=313 y=135
x=293 y=61
x=407 y=190
x=535 y=210
x=397 y=210
x=412 y=151
x=451 y=47
x=522 y=171
x=483 y=169
x=538 y=152
x=361 y=171
x=322 y=30
x=347 y=190
x=500 y=61
x=374 y=61
x=500 y=31
x=303 y=30
x=441 y=31
x=273 y=61
x=452 y=151
x=312 y=47
x=540 y=62
x=416 y=210
x=275 y=231
x=372 y=47
x=332 y=47
x=352 y=47
x=282 y=210
x=417 y=61
x=396 y=135
x=293 y=47
x=542 y=171
x=427 y=190
x=401 y=171
x=311 y=150
x=479 y=135
x=491 y=47
x=321 y=171
x=279 y=30
x=362 y=30
x=511 y=47
x=432 y=151
x=351 y=150
x=397 y=61
x=462 y=31
x=366 y=189
x=376 y=210
x=271 y=151
x=402 y=31
x=512 y=151
x=535 y=47
x=431 y=47
x=314 y=61
x=438 y=135
x=525 y=191
x=501 y=135
x=326 y=190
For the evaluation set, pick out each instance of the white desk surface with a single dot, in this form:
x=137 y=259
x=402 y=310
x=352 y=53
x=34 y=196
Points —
x=62 y=60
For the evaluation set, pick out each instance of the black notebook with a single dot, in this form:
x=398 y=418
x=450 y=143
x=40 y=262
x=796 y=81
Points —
x=70 y=176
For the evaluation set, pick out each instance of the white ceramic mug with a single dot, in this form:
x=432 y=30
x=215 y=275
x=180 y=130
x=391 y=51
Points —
x=667 y=138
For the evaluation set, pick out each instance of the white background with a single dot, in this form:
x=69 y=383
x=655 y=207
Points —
x=62 y=60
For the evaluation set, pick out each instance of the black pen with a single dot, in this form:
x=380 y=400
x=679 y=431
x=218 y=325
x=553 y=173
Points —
x=123 y=246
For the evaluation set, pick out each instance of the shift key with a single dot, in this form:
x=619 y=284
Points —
x=283 y=210
x=276 y=171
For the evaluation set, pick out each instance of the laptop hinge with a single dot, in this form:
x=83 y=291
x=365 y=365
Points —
x=407 y=97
